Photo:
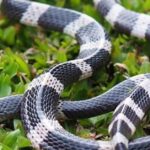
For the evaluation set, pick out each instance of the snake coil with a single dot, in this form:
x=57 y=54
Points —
x=40 y=102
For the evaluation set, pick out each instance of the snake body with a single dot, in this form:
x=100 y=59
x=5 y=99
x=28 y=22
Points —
x=132 y=110
x=40 y=102
x=106 y=102
x=128 y=115
x=125 y=21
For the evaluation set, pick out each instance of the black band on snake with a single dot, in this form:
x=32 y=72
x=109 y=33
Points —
x=40 y=102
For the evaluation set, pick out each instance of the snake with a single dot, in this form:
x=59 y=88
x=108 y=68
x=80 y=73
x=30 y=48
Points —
x=40 y=104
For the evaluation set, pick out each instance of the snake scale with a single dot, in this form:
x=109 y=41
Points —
x=40 y=105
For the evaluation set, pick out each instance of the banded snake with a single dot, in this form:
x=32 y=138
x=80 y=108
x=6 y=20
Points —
x=40 y=101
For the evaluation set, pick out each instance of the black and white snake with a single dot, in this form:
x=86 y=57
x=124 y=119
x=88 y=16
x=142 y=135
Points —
x=40 y=102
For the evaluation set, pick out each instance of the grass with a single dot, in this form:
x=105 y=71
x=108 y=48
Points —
x=26 y=52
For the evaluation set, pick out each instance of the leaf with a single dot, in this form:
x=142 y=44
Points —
x=9 y=35
x=19 y=88
x=4 y=147
x=89 y=10
x=23 y=142
x=61 y=56
x=60 y=3
x=145 y=67
x=11 y=69
x=5 y=88
x=42 y=45
x=146 y=5
x=3 y=133
x=84 y=133
x=75 y=3
x=22 y=65
x=131 y=63
x=100 y=120
x=11 y=138
x=18 y=125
